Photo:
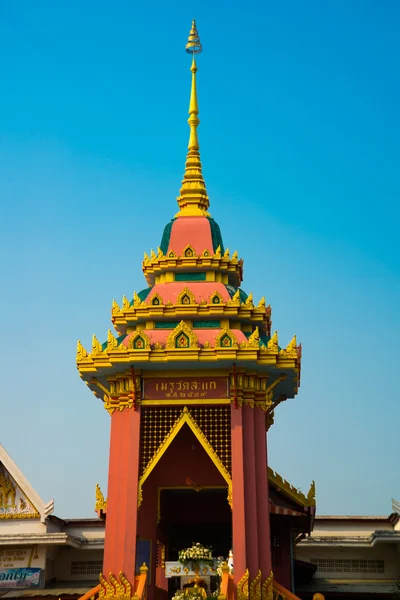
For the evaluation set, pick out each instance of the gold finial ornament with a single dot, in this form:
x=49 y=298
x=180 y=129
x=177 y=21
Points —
x=101 y=503
x=194 y=46
x=193 y=199
x=311 y=494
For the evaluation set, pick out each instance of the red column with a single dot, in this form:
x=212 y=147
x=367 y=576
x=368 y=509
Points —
x=250 y=493
x=238 y=510
x=264 y=531
x=123 y=475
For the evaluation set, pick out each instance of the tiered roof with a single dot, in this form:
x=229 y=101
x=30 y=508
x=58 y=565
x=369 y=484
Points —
x=194 y=312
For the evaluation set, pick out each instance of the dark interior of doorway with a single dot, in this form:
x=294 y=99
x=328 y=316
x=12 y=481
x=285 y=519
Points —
x=189 y=516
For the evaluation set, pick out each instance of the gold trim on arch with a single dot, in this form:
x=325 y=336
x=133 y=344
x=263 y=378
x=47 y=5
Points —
x=185 y=418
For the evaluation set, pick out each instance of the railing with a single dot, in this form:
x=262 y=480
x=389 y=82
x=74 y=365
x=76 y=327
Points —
x=140 y=588
x=227 y=587
x=91 y=594
x=141 y=583
x=281 y=593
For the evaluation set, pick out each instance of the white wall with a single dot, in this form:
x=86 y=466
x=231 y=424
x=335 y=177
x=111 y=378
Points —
x=66 y=555
x=386 y=552
x=19 y=526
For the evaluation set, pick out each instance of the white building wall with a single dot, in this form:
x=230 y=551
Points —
x=21 y=526
x=91 y=564
x=349 y=539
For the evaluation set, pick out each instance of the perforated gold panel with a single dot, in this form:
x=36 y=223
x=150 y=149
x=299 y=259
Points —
x=157 y=422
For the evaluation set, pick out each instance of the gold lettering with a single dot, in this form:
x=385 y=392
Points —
x=213 y=385
x=164 y=387
x=194 y=385
x=186 y=385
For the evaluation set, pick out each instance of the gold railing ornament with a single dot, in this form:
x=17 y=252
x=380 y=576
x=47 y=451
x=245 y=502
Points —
x=267 y=590
x=256 y=591
x=255 y=587
x=115 y=588
x=119 y=588
x=243 y=587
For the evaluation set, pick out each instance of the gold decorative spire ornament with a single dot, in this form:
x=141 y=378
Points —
x=194 y=46
x=193 y=200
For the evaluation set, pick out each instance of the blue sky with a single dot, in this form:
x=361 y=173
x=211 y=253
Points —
x=299 y=137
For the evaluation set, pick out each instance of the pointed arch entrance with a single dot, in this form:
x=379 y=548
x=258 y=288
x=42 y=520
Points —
x=220 y=459
x=184 y=495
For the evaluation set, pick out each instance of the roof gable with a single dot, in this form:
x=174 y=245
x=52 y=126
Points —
x=287 y=490
x=18 y=499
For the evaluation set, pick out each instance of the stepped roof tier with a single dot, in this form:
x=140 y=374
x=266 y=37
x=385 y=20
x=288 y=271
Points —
x=193 y=315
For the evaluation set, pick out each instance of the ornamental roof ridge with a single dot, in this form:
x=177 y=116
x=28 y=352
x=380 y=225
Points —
x=290 y=490
x=189 y=259
x=191 y=300
x=43 y=510
x=207 y=345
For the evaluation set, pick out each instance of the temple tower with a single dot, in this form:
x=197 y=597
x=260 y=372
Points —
x=191 y=380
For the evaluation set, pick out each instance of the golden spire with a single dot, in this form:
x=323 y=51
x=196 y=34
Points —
x=193 y=200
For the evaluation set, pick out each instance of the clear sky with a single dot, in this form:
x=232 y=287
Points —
x=300 y=128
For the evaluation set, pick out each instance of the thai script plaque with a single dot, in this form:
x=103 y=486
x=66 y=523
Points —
x=185 y=388
x=177 y=569
x=13 y=557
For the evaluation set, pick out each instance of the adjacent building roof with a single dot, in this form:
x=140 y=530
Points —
x=30 y=504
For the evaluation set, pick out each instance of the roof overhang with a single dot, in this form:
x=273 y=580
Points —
x=51 y=539
x=356 y=541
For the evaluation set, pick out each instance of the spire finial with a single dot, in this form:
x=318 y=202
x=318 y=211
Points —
x=193 y=200
x=193 y=45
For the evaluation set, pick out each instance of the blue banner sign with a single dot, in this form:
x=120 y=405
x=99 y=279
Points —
x=20 y=578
